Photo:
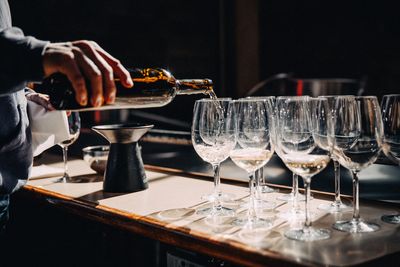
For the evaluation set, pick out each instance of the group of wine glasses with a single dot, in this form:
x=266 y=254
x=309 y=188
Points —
x=241 y=130
x=306 y=133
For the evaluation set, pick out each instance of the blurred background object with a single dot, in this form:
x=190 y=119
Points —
x=237 y=43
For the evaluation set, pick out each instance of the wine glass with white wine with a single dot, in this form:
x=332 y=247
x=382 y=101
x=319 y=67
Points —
x=254 y=148
x=74 y=127
x=301 y=121
x=294 y=196
x=213 y=137
x=261 y=183
x=294 y=214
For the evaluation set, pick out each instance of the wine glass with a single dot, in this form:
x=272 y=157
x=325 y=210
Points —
x=253 y=150
x=74 y=127
x=302 y=121
x=391 y=139
x=213 y=137
x=294 y=196
x=261 y=184
x=295 y=214
x=336 y=205
x=223 y=196
x=358 y=142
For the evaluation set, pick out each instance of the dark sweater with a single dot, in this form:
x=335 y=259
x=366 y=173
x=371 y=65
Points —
x=20 y=62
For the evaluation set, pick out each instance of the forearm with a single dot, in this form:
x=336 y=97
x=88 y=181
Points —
x=21 y=60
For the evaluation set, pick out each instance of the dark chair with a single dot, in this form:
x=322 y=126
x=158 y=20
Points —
x=286 y=84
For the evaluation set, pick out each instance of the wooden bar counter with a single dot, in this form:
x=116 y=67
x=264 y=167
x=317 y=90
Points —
x=144 y=214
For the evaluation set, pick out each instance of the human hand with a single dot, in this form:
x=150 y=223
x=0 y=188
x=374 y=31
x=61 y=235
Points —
x=86 y=60
x=40 y=99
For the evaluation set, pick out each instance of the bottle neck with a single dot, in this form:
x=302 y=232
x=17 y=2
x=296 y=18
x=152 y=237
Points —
x=194 y=86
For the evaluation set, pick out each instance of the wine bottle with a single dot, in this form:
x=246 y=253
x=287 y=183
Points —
x=152 y=87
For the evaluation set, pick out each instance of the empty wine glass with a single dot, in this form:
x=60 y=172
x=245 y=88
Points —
x=358 y=141
x=253 y=150
x=336 y=205
x=74 y=127
x=391 y=139
x=301 y=122
x=213 y=137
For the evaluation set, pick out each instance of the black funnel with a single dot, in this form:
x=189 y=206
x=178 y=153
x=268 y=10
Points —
x=124 y=172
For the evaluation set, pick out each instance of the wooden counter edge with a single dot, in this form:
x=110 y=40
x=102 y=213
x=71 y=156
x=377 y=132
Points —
x=230 y=250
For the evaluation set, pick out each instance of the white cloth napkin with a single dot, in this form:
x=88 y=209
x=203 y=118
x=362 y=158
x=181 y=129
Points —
x=44 y=171
x=48 y=127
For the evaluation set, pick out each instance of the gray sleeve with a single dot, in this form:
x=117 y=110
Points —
x=20 y=60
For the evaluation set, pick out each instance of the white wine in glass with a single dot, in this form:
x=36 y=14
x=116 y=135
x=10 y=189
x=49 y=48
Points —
x=301 y=119
x=74 y=127
x=261 y=184
x=213 y=137
x=294 y=196
x=254 y=148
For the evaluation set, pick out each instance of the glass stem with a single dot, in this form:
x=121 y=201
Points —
x=65 y=158
x=258 y=184
x=336 y=165
x=356 y=203
x=307 y=183
x=261 y=176
x=295 y=193
x=217 y=180
x=217 y=192
x=295 y=185
x=261 y=181
x=251 y=213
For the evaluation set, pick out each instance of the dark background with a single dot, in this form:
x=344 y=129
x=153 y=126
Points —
x=236 y=43
x=333 y=39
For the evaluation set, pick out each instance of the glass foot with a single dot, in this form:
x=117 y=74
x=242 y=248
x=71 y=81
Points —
x=307 y=235
x=254 y=235
x=218 y=217
x=175 y=214
x=223 y=211
x=260 y=205
x=394 y=219
x=65 y=179
x=335 y=207
x=293 y=215
x=356 y=226
x=224 y=197
x=265 y=189
x=289 y=197
x=248 y=223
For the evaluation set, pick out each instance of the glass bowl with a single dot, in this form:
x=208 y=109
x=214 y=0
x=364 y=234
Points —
x=96 y=157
